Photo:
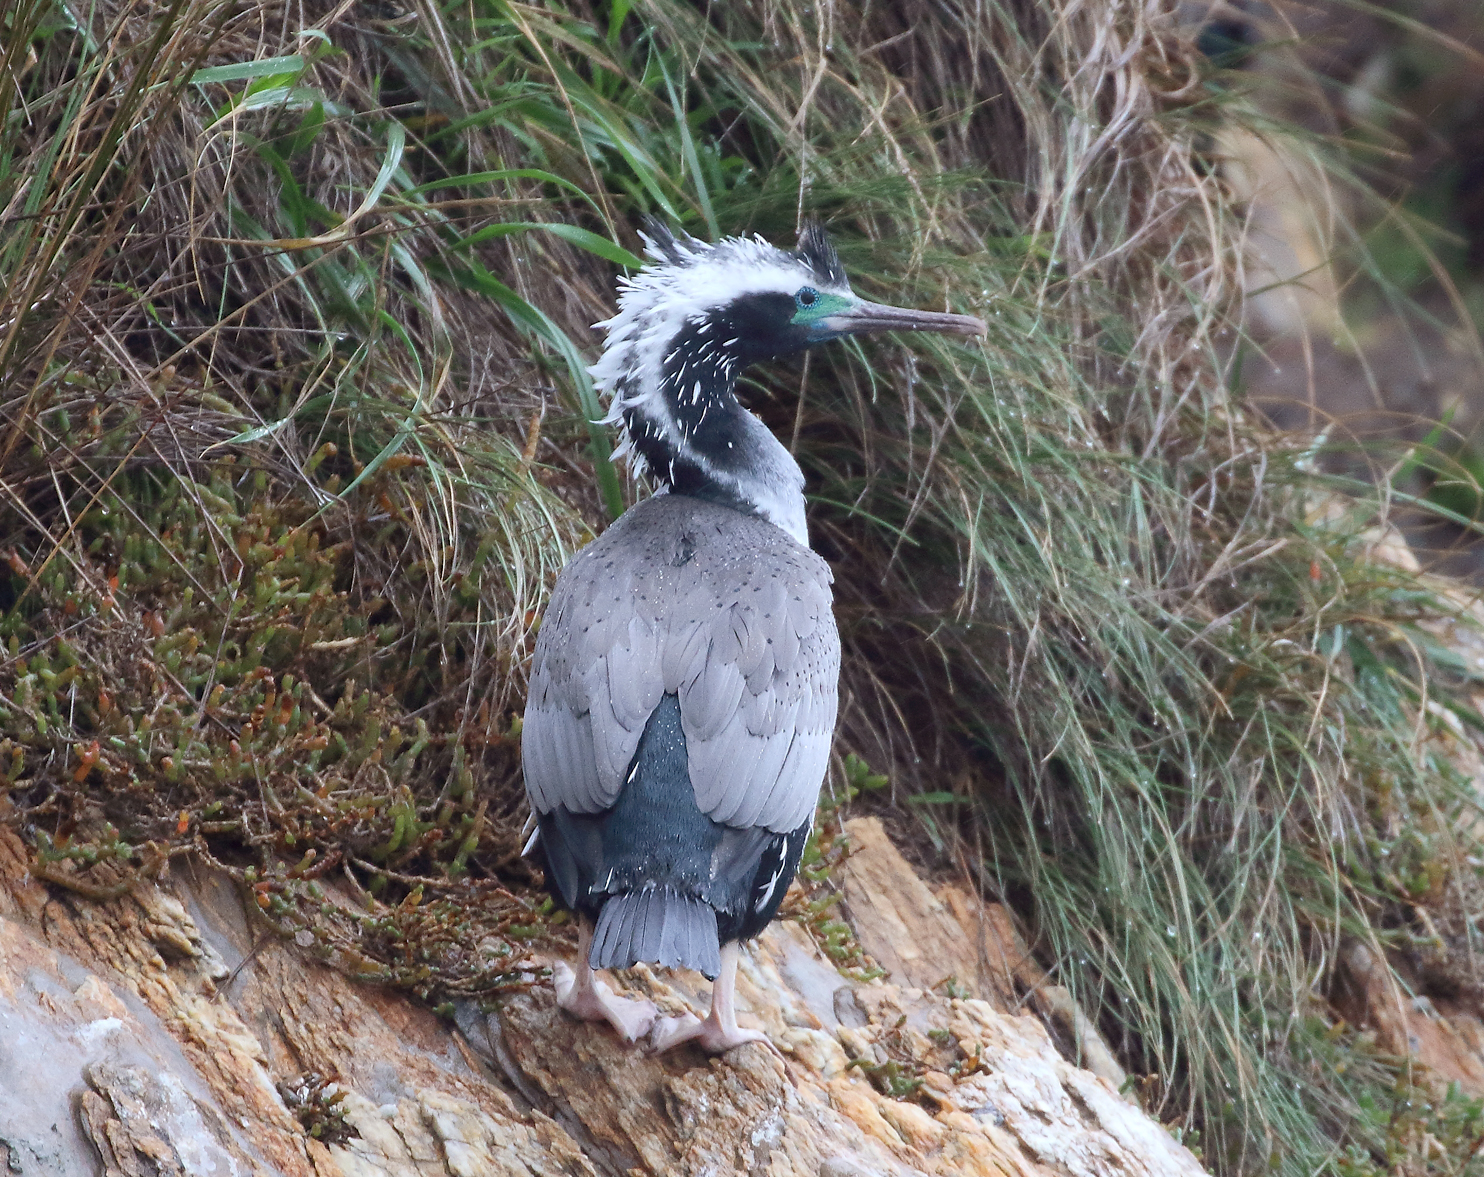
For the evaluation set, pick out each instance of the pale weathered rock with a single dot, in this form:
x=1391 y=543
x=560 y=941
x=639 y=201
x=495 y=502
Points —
x=951 y=940
x=91 y=1080
x=1406 y=1025
x=148 y=1034
x=907 y=930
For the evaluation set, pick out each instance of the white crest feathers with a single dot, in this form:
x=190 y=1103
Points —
x=683 y=283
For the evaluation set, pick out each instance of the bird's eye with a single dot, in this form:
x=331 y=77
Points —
x=807 y=297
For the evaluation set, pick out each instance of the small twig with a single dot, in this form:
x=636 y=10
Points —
x=242 y=964
x=148 y=872
x=423 y=881
x=100 y=894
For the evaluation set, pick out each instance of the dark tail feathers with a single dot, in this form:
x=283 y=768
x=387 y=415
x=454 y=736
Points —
x=657 y=926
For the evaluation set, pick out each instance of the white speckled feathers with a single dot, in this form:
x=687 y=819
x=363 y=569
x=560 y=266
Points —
x=690 y=281
x=721 y=608
x=692 y=278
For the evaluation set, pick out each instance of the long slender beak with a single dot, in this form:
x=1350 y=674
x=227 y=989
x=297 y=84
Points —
x=875 y=316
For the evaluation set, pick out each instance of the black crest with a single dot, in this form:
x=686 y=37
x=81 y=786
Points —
x=659 y=235
x=816 y=252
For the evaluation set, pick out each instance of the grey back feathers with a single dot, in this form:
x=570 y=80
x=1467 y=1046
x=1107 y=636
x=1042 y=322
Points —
x=717 y=607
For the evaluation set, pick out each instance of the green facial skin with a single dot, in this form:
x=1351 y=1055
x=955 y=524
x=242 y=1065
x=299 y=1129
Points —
x=822 y=307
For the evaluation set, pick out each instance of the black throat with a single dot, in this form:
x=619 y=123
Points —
x=698 y=381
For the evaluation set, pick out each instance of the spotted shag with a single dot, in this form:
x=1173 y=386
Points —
x=683 y=690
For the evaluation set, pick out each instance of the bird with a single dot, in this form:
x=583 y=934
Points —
x=683 y=687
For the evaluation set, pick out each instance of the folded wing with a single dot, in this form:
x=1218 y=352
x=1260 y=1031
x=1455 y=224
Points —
x=723 y=609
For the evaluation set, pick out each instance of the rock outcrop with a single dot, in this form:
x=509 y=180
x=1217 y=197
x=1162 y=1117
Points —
x=164 y=1032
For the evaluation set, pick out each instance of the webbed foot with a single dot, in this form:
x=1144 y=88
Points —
x=591 y=1000
x=719 y=1032
x=710 y=1035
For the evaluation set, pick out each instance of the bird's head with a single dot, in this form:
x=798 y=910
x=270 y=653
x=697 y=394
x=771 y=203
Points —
x=692 y=319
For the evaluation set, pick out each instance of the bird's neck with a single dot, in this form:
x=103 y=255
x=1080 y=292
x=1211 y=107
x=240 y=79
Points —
x=697 y=439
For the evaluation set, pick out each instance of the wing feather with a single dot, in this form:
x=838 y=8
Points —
x=708 y=704
x=635 y=681
x=536 y=756
x=721 y=608
x=808 y=758
x=747 y=800
x=722 y=771
x=754 y=660
x=685 y=655
x=563 y=771
x=613 y=743
x=786 y=643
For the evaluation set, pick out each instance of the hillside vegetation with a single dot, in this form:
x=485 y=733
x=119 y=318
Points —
x=295 y=433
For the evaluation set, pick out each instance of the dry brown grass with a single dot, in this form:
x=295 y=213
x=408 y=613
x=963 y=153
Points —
x=260 y=353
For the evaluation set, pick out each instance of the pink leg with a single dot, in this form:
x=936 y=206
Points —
x=719 y=1032
x=583 y=996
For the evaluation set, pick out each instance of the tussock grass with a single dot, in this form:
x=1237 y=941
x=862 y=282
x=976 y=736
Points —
x=321 y=295
x=274 y=562
x=1080 y=587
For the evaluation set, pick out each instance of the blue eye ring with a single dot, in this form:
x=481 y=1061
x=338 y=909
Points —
x=806 y=298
